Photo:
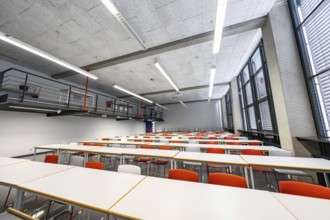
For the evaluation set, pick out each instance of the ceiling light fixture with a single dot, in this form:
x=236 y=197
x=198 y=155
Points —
x=131 y=93
x=7 y=38
x=212 y=75
x=182 y=103
x=114 y=11
x=219 y=21
x=162 y=71
x=35 y=109
x=162 y=106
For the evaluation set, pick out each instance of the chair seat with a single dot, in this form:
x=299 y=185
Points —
x=292 y=172
x=160 y=162
x=262 y=169
x=216 y=165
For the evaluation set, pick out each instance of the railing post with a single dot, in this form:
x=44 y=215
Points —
x=24 y=88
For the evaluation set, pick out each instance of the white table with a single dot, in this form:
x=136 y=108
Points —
x=94 y=189
x=4 y=161
x=163 y=199
x=298 y=163
x=305 y=208
x=18 y=173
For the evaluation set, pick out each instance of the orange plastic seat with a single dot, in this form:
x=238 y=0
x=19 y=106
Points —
x=51 y=158
x=226 y=179
x=185 y=175
x=254 y=143
x=95 y=165
x=304 y=189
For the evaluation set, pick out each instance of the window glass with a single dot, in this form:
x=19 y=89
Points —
x=260 y=85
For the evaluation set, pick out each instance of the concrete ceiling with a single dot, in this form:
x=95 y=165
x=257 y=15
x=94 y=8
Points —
x=83 y=32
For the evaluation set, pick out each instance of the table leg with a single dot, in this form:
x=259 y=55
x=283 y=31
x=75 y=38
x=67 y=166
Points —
x=86 y=158
x=246 y=177
x=59 y=156
x=123 y=160
x=19 y=199
x=175 y=164
x=326 y=179
x=171 y=164
x=252 y=178
x=34 y=154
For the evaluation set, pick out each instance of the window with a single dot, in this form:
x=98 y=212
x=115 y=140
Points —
x=255 y=94
x=229 y=112
x=311 y=21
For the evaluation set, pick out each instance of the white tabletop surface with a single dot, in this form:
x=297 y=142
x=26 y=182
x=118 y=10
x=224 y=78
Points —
x=19 y=173
x=307 y=163
x=95 y=189
x=4 y=161
x=210 y=158
x=163 y=199
x=305 y=208
x=150 y=152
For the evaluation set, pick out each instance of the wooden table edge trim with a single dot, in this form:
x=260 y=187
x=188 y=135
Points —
x=284 y=206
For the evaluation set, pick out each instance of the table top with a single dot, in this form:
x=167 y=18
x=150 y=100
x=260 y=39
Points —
x=210 y=158
x=305 y=208
x=194 y=201
x=150 y=152
x=4 y=161
x=90 y=188
x=306 y=163
x=19 y=173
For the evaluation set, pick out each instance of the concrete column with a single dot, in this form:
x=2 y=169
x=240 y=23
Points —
x=224 y=112
x=292 y=106
x=236 y=107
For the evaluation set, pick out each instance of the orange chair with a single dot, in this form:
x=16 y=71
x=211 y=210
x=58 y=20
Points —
x=185 y=175
x=228 y=138
x=95 y=165
x=226 y=179
x=144 y=160
x=234 y=143
x=176 y=142
x=161 y=162
x=215 y=165
x=87 y=144
x=51 y=158
x=261 y=169
x=213 y=138
x=137 y=140
x=254 y=143
x=148 y=140
x=211 y=142
x=304 y=189
x=106 y=139
x=198 y=137
x=98 y=145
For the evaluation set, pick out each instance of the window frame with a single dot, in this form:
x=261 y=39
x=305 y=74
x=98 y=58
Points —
x=229 y=114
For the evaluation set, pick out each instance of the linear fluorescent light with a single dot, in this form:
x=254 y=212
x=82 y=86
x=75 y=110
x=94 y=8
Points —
x=162 y=106
x=132 y=93
x=183 y=104
x=7 y=38
x=36 y=109
x=212 y=75
x=162 y=71
x=115 y=12
x=219 y=21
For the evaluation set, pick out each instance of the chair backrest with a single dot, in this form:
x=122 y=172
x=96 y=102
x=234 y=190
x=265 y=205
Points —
x=211 y=142
x=148 y=140
x=137 y=140
x=129 y=169
x=213 y=138
x=280 y=153
x=304 y=189
x=165 y=148
x=98 y=145
x=106 y=139
x=146 y=147
x=87 y=144
x=228 y=138
x=176 y=142
x=76 y=161
x=95 y=165
x=185 y=175
x=254 y=143
x=51 y=158
x=226 y=179
x=252 y=152
x=215 y=150
x=198 y=137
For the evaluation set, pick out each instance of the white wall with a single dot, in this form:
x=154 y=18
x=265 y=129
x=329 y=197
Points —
x=19 y=132
x=198 y=115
